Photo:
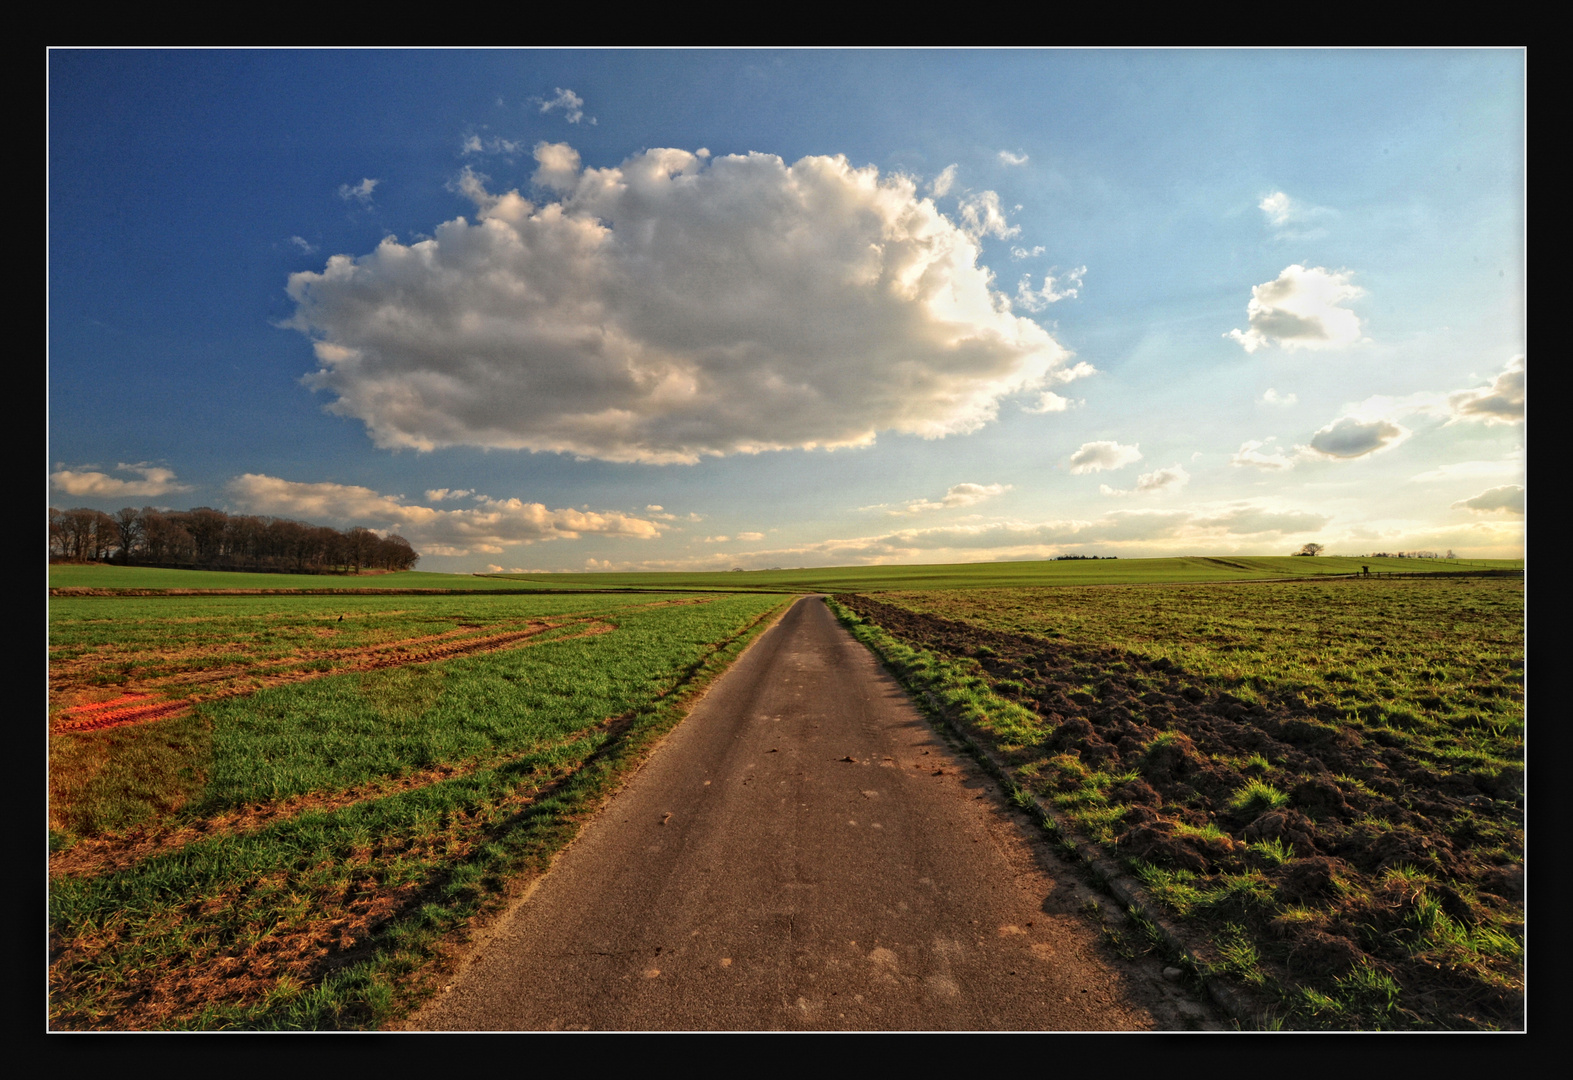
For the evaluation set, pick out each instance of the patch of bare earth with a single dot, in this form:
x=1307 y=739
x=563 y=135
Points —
x=1359 y=815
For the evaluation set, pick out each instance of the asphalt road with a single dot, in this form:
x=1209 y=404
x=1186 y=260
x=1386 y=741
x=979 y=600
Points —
x=804 y=852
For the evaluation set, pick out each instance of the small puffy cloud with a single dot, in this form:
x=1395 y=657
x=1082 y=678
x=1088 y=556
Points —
x=958 y=495
x=571 y=104
x=1273 y=397
x=1292 y=218
x=1506 y=499
x=1170 y=479
x=675 y=307
x=474 y=144
x=1351 y=437
x=942 y=183
x=1101 y=456
x=751 y=536
x=1251 y=454
x=305 y=245
x=1054 y=289
x=1047 y=402
x=1008 y=158
x=1300 y=309
x=154 y=480
x=981 y=216
x=488 y=527
x=360 y=192
x=1276 y=207
x=1500 y=403
x=557 y=166
x=1023 y=253
x=439 y=494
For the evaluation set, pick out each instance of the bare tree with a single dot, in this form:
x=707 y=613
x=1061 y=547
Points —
x=1310 y=549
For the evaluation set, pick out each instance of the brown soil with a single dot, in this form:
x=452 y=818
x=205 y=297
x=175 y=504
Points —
x=134 y=707
x=1357 y=809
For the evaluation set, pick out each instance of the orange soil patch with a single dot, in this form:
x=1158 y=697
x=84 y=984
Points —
x=135 y=707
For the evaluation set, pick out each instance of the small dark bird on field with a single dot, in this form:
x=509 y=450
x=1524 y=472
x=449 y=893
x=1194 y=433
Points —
x=341 y=618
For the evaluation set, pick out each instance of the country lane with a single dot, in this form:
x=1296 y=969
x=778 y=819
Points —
x=804 y=852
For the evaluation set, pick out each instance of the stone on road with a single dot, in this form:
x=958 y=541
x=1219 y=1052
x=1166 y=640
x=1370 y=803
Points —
x=802 y=852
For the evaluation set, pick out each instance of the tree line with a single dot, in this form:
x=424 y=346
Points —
x=208 y=539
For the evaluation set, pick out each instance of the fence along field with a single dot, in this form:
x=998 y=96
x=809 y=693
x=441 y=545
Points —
x=336 y=787
x=1324 y=780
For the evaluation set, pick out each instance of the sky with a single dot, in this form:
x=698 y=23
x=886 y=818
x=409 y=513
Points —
x=570 y=310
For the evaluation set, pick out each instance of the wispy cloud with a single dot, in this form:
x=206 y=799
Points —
x=571 y=104
x=305 y=245
x=488 y=528
x=941 y=185
x=675 y=307
x=1008 y=158
x=1251 y=454
x=1273 y=397
x=360 y=192
x=1171 y=479
x=982 y=216
x=1302 y=309
x=1066 y=286
x=1508 y=499
x=154 y=480
x=957 y=496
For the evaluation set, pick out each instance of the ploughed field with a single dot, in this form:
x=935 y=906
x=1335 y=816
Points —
x=1323 y=781
x=281 y=811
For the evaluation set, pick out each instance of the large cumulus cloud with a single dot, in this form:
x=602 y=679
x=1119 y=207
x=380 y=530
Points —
x=675 y=307
x=1302 y=309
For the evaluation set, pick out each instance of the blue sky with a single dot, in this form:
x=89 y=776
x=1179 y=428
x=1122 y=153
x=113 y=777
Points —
x=568 y=310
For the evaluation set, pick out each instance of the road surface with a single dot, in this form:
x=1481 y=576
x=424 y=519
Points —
x=803 y=852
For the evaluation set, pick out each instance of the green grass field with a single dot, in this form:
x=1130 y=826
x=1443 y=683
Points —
x=1323 y=779
x=822 y=579
x=296 y=856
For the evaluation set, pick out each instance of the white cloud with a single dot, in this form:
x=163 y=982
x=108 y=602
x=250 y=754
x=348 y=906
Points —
x=439 y=494
x=558 y=166
x=1511 y=465
x=155 y=481
x=1351 y=437
x=1054 y=289
x=1049 y=401
x=569 y=102
x=474 y=144
x=1291 y=217
x=1250 y=453
x=487 y=528
x=1098 y=456
x=1509 y=499
x=1023 y=253
x=1171 y=479
x=942 y=183
x=1300 y=310
x=360 y=192
x=1273 y=397
x=1276 y=207
x=981 y=216
x=1008 y=158
x=305 y=245
x=957 y=495
x=1500 y=403
x=671 y=308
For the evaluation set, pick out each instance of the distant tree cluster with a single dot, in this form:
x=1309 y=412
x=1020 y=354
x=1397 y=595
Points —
x=1409 y=555
x=1059 y=558
x=208 y=539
